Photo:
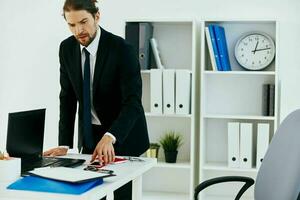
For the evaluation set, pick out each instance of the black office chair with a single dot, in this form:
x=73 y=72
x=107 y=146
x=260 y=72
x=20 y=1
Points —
x=278 y=177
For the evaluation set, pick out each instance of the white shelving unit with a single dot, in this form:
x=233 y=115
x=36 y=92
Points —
x=177 y=45
x=231 y=96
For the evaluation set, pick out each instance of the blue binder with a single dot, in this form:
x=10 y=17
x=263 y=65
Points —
x=34 y=183
x=215 y=47
x=222 y=47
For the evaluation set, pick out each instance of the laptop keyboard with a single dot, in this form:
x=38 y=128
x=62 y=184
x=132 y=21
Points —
x=52 y=162
x=46 y=162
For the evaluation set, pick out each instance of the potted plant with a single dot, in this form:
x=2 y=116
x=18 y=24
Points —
x=170 y=142
x=152 y=152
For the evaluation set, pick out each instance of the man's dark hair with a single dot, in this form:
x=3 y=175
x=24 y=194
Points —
x=88 y=5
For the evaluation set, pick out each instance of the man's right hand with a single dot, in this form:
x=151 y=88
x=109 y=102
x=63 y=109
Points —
x=58 y=151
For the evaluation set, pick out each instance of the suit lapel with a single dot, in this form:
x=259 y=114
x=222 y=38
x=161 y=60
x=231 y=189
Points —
x=101 y=55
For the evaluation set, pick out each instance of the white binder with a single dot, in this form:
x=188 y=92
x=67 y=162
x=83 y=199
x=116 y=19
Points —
x=263 y=130
x=156 y=91
x=183 y=91
x=233 y=144
x=211 y=51
x=156 y=53
x=169 y=91
x=246 y=141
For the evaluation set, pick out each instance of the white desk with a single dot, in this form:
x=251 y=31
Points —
x=128 y=171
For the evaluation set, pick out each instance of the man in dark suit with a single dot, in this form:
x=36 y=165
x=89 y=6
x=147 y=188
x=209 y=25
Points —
x=100 y=71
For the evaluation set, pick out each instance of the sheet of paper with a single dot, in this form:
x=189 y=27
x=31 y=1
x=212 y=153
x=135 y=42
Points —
x=67 y=174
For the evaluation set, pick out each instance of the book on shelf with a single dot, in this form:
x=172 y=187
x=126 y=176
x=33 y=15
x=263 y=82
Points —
x=183 y=92
x=263 y=134
x=271 y=99
x=246 y=145
x=265 y=100
x=156 y=91
x=268 y=99
x=233 y=132
x=210 y=49
x=138 y=34
x=222 y=47
x=156 y=53
x=215 y=47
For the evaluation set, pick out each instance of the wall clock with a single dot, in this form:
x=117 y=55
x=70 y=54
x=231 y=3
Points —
x=255 y=50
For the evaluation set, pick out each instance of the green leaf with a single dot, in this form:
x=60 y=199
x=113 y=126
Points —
x=171 y=141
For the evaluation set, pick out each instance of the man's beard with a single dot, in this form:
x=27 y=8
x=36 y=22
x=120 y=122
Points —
x=88 y=41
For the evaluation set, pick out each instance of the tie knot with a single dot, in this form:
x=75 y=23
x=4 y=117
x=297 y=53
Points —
x=86 y=52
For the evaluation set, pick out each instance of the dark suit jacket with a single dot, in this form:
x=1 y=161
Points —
x=117 y=91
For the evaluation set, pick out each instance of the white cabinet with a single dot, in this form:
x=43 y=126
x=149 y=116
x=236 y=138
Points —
x=232 y=96
x=176 y=41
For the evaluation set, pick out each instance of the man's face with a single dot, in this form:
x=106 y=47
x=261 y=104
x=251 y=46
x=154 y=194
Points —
x=83 y=25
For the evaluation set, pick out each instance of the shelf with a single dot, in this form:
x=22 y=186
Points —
x=251 y=117
x=145 y=71
x=164 y=196
x=223 y=167
x=213 y=197
x=148 y=114
x=163 y=20
x=148 y=71
x=178 y=165
x=254 y=73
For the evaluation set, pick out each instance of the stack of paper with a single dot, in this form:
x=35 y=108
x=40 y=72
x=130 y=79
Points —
x=59 y=180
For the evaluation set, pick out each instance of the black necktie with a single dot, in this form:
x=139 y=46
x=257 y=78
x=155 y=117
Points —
x=87 y=122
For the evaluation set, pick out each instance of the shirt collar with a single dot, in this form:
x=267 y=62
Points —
x=93 y=47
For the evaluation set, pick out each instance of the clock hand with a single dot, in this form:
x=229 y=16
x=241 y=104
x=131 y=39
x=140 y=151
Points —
x=255 y=48
x=263 y=49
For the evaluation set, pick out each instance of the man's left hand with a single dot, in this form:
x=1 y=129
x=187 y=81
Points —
x=104 y=150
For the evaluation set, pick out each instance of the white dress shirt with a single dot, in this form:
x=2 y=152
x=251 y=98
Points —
x=92 y=49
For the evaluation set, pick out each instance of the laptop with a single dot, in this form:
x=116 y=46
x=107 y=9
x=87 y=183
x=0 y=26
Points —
x=25 y=138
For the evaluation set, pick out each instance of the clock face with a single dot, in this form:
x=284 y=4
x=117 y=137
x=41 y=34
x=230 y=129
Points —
x=255 y=51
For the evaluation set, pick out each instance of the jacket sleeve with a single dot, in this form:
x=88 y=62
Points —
x=68 y=105
x=131 y=93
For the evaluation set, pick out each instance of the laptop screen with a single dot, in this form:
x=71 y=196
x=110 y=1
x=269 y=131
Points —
x=25 y=133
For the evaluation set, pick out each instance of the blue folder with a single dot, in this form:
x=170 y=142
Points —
x=39 y=184
x=222 y=47
x=215 y=47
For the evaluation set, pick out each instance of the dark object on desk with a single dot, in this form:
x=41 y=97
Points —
x=25 y=138
x=278 y=177
x=96 y=169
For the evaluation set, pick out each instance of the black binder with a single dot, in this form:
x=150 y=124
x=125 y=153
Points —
x=138 y=34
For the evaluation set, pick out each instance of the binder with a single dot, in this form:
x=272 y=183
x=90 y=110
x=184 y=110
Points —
x=183 y=91
x=211 y=51
x=156 y=53
x=169 y=91
x=246 y=141
x=139 y=35
x=265 y=99
x=145 y=34
x=39 y=184
x=271 y=99
x=233 y=144
x=132 y=35
x=156 y=91
x=215 y=47
x=222 y=47
x=263 y=130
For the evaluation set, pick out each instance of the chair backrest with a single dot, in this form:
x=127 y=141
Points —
x=279 y=175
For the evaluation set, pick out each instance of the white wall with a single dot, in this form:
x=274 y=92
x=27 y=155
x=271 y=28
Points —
x=31 y=31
